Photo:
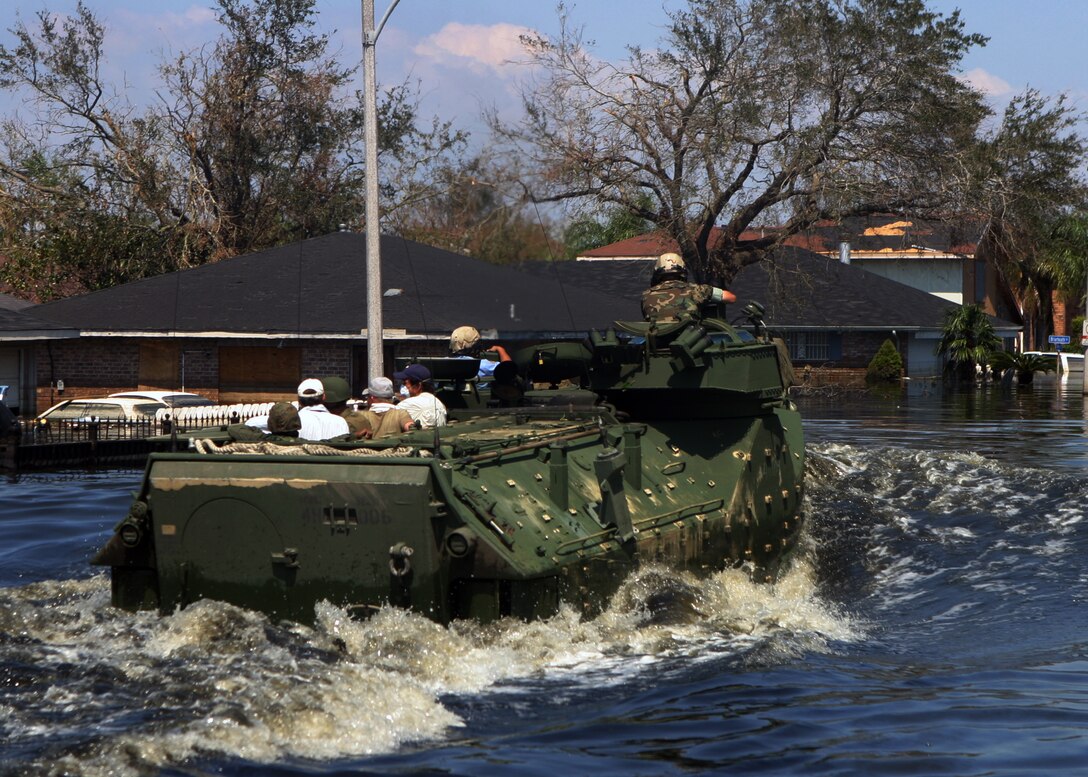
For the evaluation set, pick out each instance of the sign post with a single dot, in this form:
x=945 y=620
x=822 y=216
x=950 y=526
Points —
x=1058 y=341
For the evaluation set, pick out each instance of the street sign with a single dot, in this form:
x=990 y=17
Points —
x=1084 y=329
x=1084 y=339
x=1059 y=339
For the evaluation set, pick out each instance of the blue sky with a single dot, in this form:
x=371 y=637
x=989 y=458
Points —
x=460 y=50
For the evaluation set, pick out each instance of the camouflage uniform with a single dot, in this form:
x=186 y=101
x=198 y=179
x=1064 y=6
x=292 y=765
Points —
x=675 y=299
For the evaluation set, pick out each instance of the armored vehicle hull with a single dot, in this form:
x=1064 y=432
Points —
x=688 y=454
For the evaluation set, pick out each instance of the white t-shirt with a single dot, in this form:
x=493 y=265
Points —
x=425 y=408
x=319 y=424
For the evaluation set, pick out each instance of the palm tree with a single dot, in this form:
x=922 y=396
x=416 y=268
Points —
x=1024 y=364
x=967 y=340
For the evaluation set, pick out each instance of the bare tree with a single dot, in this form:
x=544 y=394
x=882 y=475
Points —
x=256 y=140
x=753 y=112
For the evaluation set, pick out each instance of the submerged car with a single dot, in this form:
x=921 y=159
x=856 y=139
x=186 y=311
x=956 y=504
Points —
x=123 y=406
x=121 y=415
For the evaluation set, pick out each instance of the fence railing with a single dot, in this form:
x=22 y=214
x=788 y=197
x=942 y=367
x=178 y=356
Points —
x=34 y=432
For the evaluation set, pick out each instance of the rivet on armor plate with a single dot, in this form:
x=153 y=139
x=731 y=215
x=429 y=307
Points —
x=785 y=525
x=711 y=483
x=675 y=448
x=511 y=483
x=572 y=510
x=546 y=517
x=785 y=493
x=647 y=492
x=768 y=547
x=520 y=524
x=483 y=488
x=747 y=552
x=738 y=455
x=538 y=477
x=671 y=485
x=797 y=455
x=768 y=452
x=768 y=499
x=700 y=517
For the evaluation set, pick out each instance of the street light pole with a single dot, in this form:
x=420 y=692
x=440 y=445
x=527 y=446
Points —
x=375 y=337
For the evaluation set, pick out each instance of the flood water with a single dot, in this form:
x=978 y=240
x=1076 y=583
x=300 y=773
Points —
x=935 y=625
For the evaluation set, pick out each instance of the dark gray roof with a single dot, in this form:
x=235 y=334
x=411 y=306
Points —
x=19 y=321
x=798 y=288
x=8 y=302
x=318 y=286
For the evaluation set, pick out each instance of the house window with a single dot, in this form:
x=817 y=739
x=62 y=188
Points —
x=808 y=346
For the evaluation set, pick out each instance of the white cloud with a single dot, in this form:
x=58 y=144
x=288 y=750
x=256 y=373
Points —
x=987 y=83
x=475 y=46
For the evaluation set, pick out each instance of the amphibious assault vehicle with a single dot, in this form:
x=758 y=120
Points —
x=672 y=443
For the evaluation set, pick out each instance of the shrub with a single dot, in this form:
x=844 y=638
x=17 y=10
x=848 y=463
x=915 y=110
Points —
x=1025 y=365
x=886 y=366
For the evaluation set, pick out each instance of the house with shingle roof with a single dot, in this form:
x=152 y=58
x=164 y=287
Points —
x=247 y=328
x=940 y=258
x=21 y=332
x=831 y=314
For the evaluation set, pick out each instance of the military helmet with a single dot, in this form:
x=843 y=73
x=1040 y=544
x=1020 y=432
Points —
x=283 y=418
x=337 y=390
x=464 y=339
x=669 y=265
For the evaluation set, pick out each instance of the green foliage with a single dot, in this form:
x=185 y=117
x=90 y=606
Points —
x=618 y=223
x=1025 y=365
x=886 y=366
x=967 y=340
x=1076 y=326
x=1029 y=191
x=255 y=141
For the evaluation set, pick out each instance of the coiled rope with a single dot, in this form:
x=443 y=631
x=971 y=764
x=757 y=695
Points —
x=207 y=446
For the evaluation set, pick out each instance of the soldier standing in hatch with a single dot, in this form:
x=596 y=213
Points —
x=671 y=297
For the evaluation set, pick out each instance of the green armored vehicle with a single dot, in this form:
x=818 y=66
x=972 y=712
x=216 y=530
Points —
x=667 y=443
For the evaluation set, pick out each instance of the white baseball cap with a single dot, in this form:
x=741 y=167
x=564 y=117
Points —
x=311 y=387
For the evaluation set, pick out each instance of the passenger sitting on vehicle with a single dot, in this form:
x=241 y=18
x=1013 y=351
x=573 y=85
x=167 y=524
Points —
x=384 y=419
x=337 y=394
x=317 y=422
x=421 y=404
x=283 y=420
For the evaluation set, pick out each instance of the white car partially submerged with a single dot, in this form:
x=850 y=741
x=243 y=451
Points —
x=123 y=406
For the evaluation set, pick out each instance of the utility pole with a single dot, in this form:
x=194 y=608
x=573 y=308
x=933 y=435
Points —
x=375 y=338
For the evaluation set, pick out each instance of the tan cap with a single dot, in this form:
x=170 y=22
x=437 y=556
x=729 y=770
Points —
x=464 y=338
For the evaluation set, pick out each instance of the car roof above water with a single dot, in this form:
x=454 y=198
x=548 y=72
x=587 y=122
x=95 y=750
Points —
x=169 y=398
